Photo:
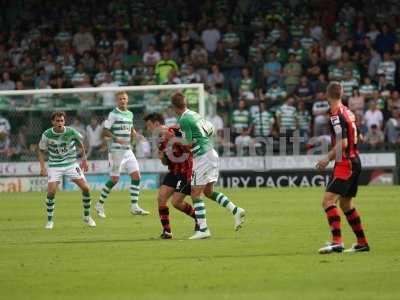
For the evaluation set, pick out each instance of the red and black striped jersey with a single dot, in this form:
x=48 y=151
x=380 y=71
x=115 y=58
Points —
x=178 y=157
x=343 y=126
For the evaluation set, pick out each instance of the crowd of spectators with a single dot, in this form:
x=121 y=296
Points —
x=265 y=64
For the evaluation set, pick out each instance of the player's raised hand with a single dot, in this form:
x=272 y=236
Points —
x=322 y=164
x=84 y=165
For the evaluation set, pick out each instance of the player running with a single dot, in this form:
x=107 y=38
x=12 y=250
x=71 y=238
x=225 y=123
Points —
x=60 y=142
x=197 y=134
x=343 y=184
x=118 y=128
x=176 y=183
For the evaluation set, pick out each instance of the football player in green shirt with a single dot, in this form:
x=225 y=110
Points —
x=118 y=128
x=60 y=142
x=197 y=134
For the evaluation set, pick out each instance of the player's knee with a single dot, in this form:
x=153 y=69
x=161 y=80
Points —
x=162 y=201
x=175 y=203
x=85 y=189
x=328 y=200
x=345 y=206
x=135 y=176
x=208 y=193
x=195 y=194
x=51 y=195
x=115 y=179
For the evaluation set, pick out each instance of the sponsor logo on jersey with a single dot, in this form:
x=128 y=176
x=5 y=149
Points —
x=335 y=120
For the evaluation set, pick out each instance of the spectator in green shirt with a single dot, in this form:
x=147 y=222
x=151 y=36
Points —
x=164 y=66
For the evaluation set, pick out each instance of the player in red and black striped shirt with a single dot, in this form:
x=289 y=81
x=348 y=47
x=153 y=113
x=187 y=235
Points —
x=343 y=184
x=176 y=183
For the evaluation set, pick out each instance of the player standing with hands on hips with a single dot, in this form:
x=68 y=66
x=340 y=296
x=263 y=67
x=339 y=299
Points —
x=60 y=142
x=118 y=128
x=343 y=183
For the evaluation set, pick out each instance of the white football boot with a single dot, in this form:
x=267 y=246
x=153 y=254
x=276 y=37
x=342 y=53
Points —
x=198 y=235
x=239 y=218
x=49 y=225
x=100 y=210
x=330 y=248
x=137 y=211
x=89 y=221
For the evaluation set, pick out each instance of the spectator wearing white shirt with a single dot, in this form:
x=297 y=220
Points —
x=210 y=37
x=373 y=32
x=316 y=31
x=83 y=40
x=373 y=116
x=7 y=83
x=333 y=51
x=151 y=56
x=108 y=97
x=94 y=136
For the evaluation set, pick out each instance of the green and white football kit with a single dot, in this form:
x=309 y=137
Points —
x=62 y=161
x=120 y=156
x=198 y=131
x=61 y=148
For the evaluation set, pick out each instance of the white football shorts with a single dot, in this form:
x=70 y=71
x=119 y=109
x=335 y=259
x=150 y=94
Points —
x=205 y=168
x=55 y=174
x=121 y=161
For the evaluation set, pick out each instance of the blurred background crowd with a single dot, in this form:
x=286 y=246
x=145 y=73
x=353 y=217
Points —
x=265 y=66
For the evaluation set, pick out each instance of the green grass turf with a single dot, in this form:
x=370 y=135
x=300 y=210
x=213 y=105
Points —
x=272 y=257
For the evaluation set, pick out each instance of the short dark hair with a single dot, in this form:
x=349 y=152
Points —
x=178 y=100
x=155 y=117
x=58 y=114
x=334 y=90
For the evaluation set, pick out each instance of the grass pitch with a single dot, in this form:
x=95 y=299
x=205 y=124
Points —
x=273 y=256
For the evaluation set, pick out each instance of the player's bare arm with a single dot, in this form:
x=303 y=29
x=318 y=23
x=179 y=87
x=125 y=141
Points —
x=42 y=163
x=107 y=134
x=332 y=154
x=135 y=135
x=84 y=164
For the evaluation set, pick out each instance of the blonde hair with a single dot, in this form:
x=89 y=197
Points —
x=334 y=90
x=122 y=93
